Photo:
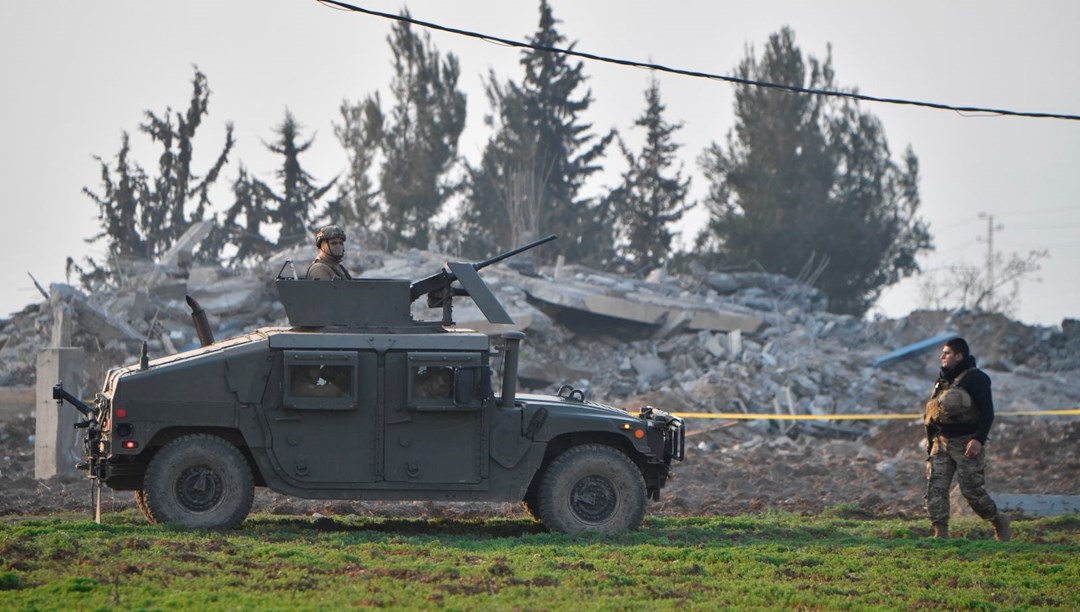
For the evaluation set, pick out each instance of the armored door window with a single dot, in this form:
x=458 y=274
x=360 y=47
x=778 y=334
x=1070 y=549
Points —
x=443 y=381
x=316 y=380
x=432 y=383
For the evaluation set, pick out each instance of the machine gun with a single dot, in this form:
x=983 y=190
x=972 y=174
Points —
x=91 y=446
x=440 y=292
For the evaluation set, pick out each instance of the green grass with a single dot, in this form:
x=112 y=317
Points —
x=836 y=560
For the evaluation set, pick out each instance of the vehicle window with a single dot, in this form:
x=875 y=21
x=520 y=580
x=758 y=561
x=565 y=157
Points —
x=432 y=382
x=309 y=380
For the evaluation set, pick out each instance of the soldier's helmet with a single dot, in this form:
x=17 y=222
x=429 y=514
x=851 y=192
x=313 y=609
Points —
x=328 y=232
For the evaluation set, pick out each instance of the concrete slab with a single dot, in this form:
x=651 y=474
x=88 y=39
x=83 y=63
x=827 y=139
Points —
x=229 y=295
x=181 y=251
x=636 y=306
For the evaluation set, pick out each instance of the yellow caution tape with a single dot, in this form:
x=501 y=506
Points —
x=742 y=416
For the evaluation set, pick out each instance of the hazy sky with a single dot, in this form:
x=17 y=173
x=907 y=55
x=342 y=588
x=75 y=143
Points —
x=77 y=74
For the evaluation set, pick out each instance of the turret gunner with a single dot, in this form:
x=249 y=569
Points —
x=958 y=419
x=327 y=266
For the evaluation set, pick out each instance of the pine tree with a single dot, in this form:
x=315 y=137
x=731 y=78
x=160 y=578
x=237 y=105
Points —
x=143 y=215
x=175 y=183
x=650 y=197
x=252 y=200
x=291 y=210
x=539 y=158
x=505 y=191
x=299 y=197
x=126 y=192
x=419 y=138
x=809 y=181
x=356 y=203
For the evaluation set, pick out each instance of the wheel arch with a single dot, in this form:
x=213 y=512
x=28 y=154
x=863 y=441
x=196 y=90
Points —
x=561 y=443
x=229 y=434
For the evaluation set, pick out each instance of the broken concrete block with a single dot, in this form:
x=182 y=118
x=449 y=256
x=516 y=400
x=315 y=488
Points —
x=229 y=295
x=622 y=387
x=673 y=323
x=650 y=369
x=714 y=346
x=179 y=254
x=805 y=386
x=886 y=468
x=203 y=275
x=734 y=343
x=91 y=318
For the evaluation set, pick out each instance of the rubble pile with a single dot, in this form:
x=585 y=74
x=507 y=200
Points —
x=706 y=342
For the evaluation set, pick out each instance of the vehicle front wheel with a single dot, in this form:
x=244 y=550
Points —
x=198 y=481
x=593 y=488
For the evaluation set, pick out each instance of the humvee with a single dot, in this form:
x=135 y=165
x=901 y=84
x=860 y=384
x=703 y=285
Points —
x=356 y=400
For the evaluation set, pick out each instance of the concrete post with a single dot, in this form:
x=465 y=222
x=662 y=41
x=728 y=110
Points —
x=57 y=447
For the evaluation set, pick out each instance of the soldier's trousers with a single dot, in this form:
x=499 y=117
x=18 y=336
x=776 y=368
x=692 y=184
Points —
x=947 y=460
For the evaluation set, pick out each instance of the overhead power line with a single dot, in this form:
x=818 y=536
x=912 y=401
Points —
x=693 y=73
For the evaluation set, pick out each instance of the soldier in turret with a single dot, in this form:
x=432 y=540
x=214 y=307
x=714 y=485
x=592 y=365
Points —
x=327 y=265
x=958 y=419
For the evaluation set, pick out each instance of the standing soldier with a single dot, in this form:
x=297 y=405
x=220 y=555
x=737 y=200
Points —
x=958 y=418
x=327 y=265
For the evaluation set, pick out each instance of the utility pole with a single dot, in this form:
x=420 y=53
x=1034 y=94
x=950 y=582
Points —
x=990 y=228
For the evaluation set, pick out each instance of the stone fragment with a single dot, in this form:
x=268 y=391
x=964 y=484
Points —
x=650 y=369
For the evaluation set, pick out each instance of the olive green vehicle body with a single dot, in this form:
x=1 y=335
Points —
x=369 y=428
x=377 y=443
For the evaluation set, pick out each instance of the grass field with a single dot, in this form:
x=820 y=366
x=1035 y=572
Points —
x=772 y=560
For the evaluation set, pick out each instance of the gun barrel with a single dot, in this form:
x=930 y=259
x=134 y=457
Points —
x=508 y=254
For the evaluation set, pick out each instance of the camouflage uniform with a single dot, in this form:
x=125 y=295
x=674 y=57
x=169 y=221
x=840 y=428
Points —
x=325 y=268
x=961 y=409
x=946 y=460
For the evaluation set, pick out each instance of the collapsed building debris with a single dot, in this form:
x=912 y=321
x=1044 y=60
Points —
x=706 y=342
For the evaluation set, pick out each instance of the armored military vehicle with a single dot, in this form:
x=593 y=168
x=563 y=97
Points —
x=356 y=400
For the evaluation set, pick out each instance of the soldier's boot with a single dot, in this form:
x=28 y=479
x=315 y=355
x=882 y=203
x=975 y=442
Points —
x=1002 y=527
x=941 y=530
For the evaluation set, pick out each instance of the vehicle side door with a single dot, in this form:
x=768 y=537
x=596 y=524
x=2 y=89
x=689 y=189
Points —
x=322 y=425
x=435 y=417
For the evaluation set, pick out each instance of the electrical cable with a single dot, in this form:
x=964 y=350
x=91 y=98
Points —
x=693 y=73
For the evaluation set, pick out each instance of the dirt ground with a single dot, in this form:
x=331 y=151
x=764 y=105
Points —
x=726 y=471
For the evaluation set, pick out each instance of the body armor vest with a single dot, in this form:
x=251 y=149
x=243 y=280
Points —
x=337 y=269
x=951 y=405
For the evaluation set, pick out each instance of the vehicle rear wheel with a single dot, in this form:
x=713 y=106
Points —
x=592 y=488
x=198 y=481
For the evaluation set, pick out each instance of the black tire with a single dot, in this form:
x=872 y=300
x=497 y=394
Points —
x=200 y=482
x=591 y=488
